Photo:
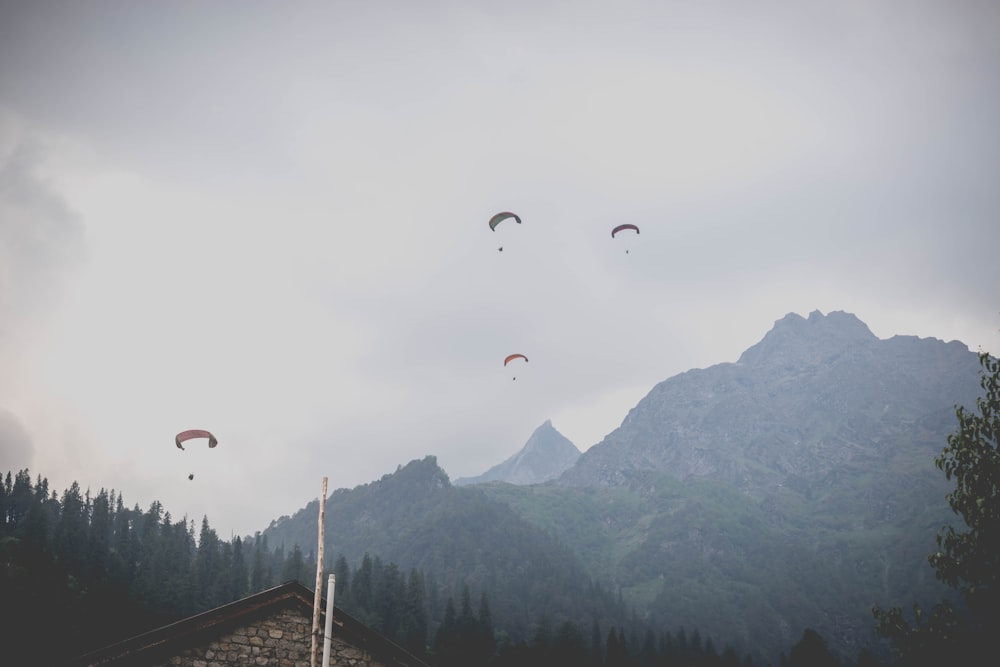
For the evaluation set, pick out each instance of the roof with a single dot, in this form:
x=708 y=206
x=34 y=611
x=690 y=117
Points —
x=214 y=622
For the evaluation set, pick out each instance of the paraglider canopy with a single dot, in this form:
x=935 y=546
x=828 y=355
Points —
x=620 y=228
x=184 y=436
x=511 y=357
x=500 y=217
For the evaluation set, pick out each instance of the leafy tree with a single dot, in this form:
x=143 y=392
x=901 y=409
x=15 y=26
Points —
x=969 y=560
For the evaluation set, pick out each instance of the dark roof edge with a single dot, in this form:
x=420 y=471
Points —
x=290 y=591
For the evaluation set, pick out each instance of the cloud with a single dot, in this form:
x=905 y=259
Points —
x=41 y=247
x=41 y=239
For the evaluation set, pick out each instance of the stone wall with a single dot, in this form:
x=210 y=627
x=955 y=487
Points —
x=281 y=640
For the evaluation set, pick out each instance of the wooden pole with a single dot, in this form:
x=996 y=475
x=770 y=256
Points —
x=317 y=596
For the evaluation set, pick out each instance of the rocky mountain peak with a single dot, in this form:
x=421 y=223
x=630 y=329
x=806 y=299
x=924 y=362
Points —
x=546 y=455
x=795 y=338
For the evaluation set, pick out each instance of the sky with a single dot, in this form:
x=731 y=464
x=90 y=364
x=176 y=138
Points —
x=269 y=220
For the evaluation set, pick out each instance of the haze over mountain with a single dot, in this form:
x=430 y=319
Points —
x=791 y=489
x=546 y=455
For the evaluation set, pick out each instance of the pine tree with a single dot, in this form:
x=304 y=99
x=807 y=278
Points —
x=238 y=578
x=342 y=572
x=485 y=640
x=446 y=645
x=99 y=537
x=414 y=624
x=260 y=573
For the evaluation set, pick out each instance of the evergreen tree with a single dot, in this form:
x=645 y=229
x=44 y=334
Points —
x=446 y=646
x=207 y=567
x=361 y=586
x=260 y=573
x=182 y=591
x=413 y=628
x=71 y=529
x=342 y=573
x=616 y=654
x=99 y=537
x=568 y=645
x=294 y=567
x=122 y=559
x=811 y=651
x=647 y=654
x=40 y=514
x=540 y=644
x=485 y=639
x=596 y=649
x=238 y=578
x=467 y=628
x=20 y=498
x=5 y=490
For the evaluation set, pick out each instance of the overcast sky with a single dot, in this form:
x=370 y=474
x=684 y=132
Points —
x=269 y=219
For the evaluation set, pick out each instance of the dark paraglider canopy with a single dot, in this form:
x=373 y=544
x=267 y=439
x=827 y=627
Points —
x=620 y=228
x=500 y=217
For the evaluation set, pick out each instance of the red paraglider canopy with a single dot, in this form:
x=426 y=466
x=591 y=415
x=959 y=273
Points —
x=511 y=357
x=184 y=436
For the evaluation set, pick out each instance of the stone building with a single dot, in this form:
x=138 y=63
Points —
x=272 y=628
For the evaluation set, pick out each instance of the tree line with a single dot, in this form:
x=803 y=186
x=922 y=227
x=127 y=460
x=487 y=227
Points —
x=105 y=571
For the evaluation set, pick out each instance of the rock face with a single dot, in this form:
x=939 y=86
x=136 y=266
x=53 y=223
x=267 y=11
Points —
x=546 y=455
x=814 y=396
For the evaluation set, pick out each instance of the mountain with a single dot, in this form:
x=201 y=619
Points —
x=416 y=519
x=546 y=455
x=791 y=489
x=815 y=396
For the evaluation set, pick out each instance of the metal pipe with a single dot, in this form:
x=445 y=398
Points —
x=328 y=625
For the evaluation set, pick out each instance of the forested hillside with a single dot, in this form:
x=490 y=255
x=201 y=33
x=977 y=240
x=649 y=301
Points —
x=100 y=572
